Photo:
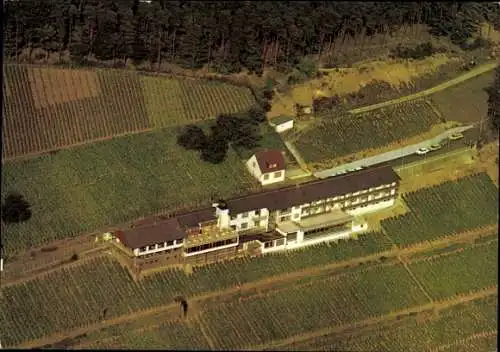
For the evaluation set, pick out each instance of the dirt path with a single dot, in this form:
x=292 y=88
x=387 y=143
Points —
x=276 y=345
x=265 y=283
x=471 y=74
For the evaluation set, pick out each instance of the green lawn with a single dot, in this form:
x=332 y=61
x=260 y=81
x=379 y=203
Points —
x=105 y=183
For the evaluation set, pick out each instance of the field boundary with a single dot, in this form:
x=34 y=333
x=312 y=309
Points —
x=251 y=286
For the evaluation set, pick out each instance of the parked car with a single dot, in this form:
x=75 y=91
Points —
x=422 y=151
x=433 y=147
x=456 y=136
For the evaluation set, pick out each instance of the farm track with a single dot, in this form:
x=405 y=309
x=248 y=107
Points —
x=263 y=284
x=367 y=323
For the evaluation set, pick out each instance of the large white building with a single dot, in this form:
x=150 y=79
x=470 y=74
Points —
x=279 y=219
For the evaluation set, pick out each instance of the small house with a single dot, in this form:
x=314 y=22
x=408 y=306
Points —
x=281 y=123
x=267 y=166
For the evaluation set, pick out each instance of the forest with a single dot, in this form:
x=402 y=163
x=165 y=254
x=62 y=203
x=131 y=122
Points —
x=225 y=36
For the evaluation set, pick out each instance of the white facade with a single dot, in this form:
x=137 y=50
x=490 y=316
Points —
x=282 y=127
x=250 y=219
x=264 y=178
x=159 y=247
x=300 y=242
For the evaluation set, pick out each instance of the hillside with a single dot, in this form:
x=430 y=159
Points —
x=52 y=108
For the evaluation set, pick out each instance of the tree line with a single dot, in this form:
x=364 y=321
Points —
x=225 y=36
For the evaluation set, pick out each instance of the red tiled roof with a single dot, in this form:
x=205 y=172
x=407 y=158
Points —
x=270 y=160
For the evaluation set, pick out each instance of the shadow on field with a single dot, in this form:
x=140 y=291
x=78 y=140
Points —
x=183 y=303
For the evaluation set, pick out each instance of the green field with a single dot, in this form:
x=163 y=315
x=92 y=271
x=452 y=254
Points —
x=172 y=101
x=168 y=336
x=104 y=276
x=466 y=102
x=300 y=309
x=445 y=209
x=106 y=183
x=413 y=334
x=340 y=135
x=472 y=269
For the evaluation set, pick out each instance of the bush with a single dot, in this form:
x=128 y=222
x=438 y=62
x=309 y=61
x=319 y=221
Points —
x=192 y=138
x=419 y=52
x=15 y=209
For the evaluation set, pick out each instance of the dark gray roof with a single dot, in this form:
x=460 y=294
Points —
x=282 y=198
x=159 y=232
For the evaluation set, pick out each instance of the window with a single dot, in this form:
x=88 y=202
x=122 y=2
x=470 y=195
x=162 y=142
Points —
x=244 y=215
x=268 y=244
x=285 y=218
x=266 y=176
x=254 y=164
x=179 y=241
x=256 y=223
x=257 y=212
x=152 y=247
x=170 y=243
x=277 y=174
x=296 y=216
x=233 y=227
x=244 y=225
x=233 y=217
x=142 y=249
x=161 y=245
x=280 y=242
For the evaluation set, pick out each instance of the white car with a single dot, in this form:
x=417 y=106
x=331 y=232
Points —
x=422 y=151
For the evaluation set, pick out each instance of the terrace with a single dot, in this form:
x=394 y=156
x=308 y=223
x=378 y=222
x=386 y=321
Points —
x=208 y=233
x=330 y=219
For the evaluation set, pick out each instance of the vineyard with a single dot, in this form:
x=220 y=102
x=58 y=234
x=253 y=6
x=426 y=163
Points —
x=176 y=102
x=77 y=296
x=45 y=111
x=445 y=209
x=300 y=309
x=81 y=189
x=472 y=269
x=338 y=136
x=50 y=108
x=466 y=102
x=411 y=334
x=169 y=336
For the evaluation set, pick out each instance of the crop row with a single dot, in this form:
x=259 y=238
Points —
x=414 y=334
x=88 y=287
x=474 y=268
x=298 y=310
x=340 y=135
x=444 y=209
x=177 y=102
x=78 y=296
x=107 y=183
x=171 y=336
x=95 y=104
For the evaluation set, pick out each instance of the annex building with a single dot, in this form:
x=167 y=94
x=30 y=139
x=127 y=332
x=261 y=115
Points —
x=273 y=220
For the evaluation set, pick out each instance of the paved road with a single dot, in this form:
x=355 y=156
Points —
x=471 y=74
x=393 y=154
